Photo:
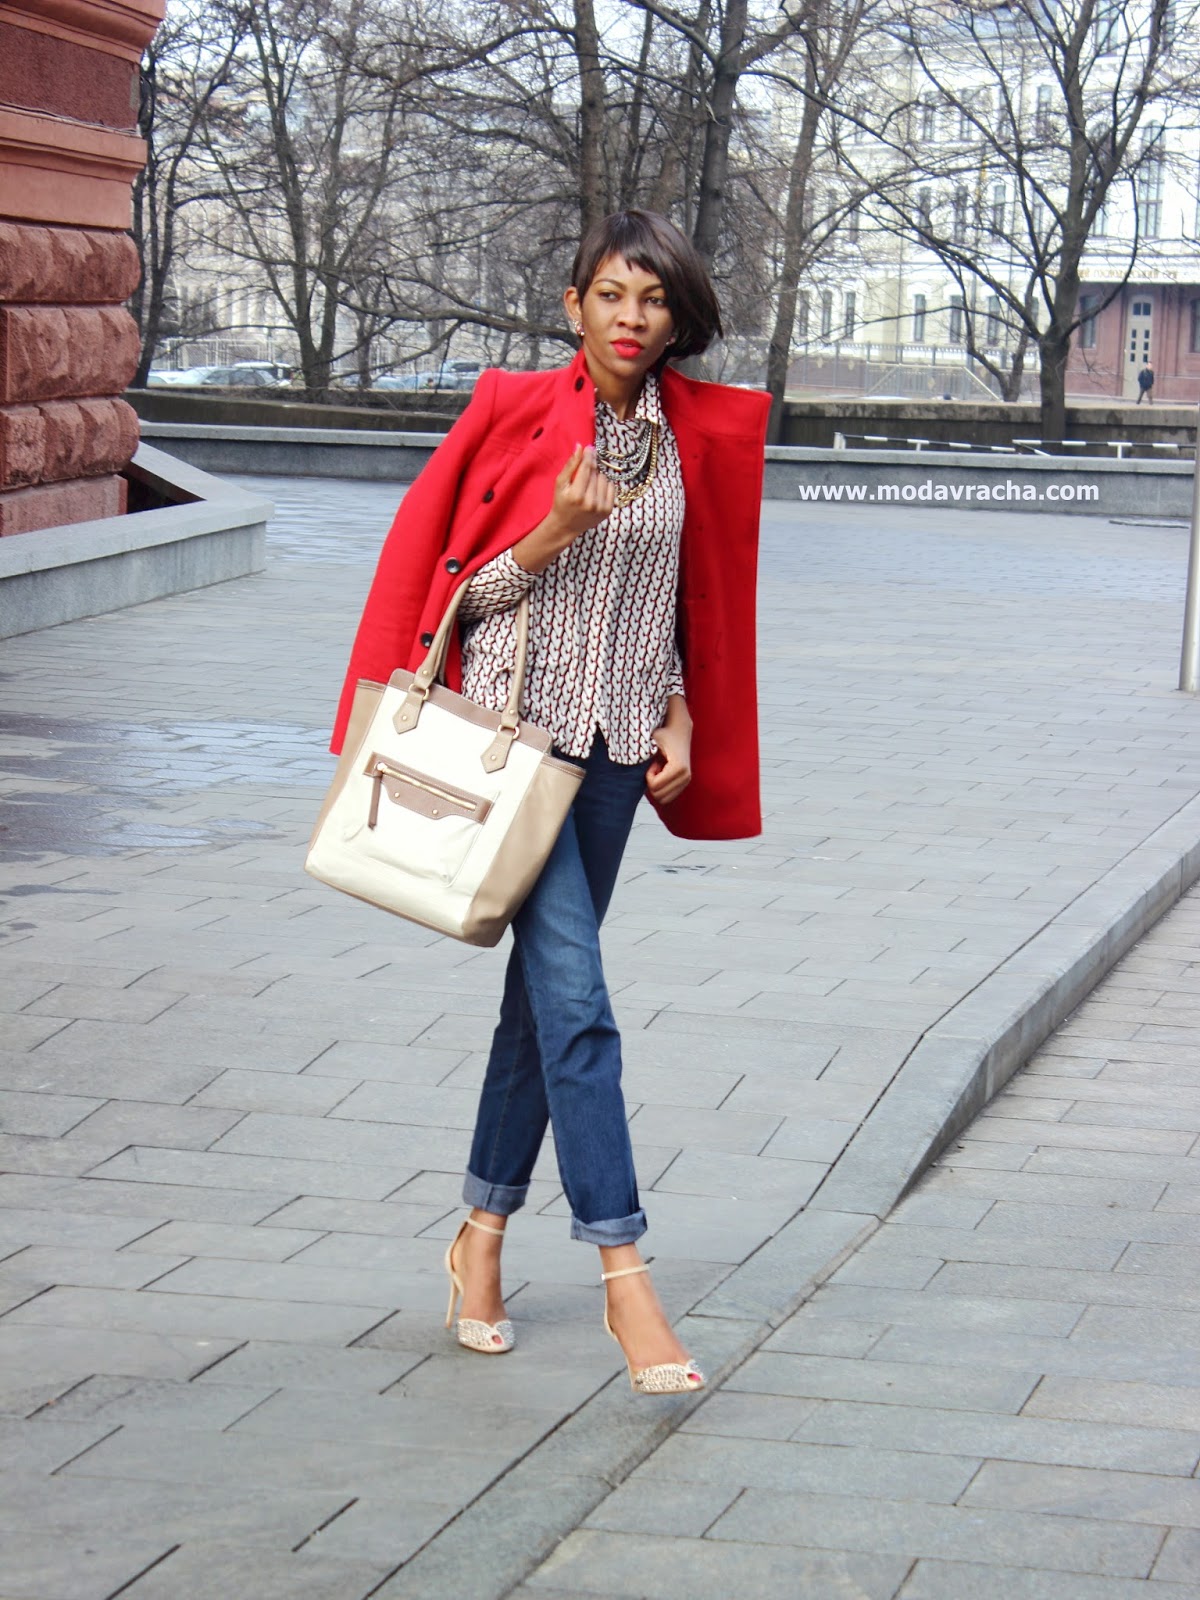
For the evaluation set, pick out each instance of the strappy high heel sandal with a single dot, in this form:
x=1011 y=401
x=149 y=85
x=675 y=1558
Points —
x=490 y=1339
x=669 y=1377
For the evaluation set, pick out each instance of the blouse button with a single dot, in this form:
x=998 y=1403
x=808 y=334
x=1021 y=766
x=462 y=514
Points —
x=488 y=494
x=453 y=566
x=426 y=640
x=578 y=385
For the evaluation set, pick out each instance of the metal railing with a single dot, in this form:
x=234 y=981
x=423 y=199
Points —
x=1035 y=447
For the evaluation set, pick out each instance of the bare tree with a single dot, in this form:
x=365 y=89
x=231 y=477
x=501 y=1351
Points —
x=827 y=35
x=413 y=168
x=186 y=67
x=305 y=148
x=1059 y=108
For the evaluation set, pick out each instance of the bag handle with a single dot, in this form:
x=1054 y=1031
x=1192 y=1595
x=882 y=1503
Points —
x=432 y=670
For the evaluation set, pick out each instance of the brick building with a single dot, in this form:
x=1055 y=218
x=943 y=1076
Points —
x=1154 y=321
x=69 y=153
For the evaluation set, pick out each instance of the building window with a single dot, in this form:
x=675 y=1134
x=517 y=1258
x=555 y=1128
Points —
x=999 y=210
x=853 y=225
x=1195 y=340
x=929 y=111
x=1087 y=320
x=1148 y=182
x=918 y=319
x=802 y=314
x=994 y=325
x=826 y=313
x=848 y=319
x=1042 y=118
x=956 y=319
x=1108 y=17
x=966 y=126
x=1100 y=227
x=961 y=199
x=925 y=209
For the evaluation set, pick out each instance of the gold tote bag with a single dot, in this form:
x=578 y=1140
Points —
x=440 y=810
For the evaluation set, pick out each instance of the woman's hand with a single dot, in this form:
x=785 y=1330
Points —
x=583 y=498
x=671 y=770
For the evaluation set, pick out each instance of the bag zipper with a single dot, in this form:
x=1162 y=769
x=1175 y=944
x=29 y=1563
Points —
x=382 y=769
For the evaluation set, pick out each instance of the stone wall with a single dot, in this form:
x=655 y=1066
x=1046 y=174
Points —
x=68 y=158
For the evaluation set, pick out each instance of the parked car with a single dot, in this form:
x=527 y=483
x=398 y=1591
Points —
x=354 y=381
x=454 y=375
x=404 y=380
x=248 y=377
x=168 y=378
x=451 y=375
x=278 y=371
x=458 y=375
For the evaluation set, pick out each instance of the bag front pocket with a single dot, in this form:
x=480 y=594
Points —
x=420 y=792
x=416 y=822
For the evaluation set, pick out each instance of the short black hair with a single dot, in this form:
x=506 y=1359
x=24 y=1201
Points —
x=647 y=240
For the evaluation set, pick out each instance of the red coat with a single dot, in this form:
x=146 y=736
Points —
x=492 y=480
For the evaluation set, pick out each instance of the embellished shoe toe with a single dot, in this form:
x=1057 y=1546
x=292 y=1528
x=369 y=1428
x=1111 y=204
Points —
x=488 y=1338
x=672 y=1377
x=669 y=1377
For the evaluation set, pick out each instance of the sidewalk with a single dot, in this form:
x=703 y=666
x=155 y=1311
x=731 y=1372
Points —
x=235 y=1105
x=998 y=1397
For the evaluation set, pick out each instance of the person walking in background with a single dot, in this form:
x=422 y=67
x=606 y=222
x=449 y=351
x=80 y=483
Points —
x=1146 y=384
x=623 y=498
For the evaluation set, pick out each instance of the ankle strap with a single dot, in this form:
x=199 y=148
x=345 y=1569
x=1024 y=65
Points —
x=483 y=1227
x=624 y=1272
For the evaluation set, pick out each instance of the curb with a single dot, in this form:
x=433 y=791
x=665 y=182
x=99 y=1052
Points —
x=946 y=1079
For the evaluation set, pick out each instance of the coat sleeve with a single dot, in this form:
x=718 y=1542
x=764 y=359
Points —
x=416 y=539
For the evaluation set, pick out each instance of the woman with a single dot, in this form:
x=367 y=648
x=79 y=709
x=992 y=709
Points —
x=624 y=500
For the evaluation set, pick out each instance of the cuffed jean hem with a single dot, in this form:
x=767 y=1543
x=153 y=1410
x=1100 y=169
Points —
x=501 y=1199
x=611 y=1231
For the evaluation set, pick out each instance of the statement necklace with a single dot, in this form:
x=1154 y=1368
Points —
x=632 y=471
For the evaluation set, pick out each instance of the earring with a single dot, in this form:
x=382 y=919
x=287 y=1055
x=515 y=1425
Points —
x=671 y=340
x=577 y=329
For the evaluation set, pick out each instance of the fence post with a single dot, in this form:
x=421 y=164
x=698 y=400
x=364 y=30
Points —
x=1189 y=660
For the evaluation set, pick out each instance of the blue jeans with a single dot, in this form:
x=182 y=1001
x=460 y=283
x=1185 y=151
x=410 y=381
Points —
x=556 y=1052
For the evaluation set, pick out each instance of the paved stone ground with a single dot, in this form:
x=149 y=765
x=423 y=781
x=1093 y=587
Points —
x=998 y=1396
x=235 y=1105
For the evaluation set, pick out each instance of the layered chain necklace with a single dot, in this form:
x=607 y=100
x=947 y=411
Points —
x=631 y=470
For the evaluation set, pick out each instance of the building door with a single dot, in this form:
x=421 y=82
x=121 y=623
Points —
x=1137 y=343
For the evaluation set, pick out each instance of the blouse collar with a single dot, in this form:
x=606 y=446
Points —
x=648 y=407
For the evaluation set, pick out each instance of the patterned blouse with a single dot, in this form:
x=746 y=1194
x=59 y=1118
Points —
x=602 y=650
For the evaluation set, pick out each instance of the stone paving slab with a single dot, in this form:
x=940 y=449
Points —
x=1102 y=1504
x=227 y=1162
